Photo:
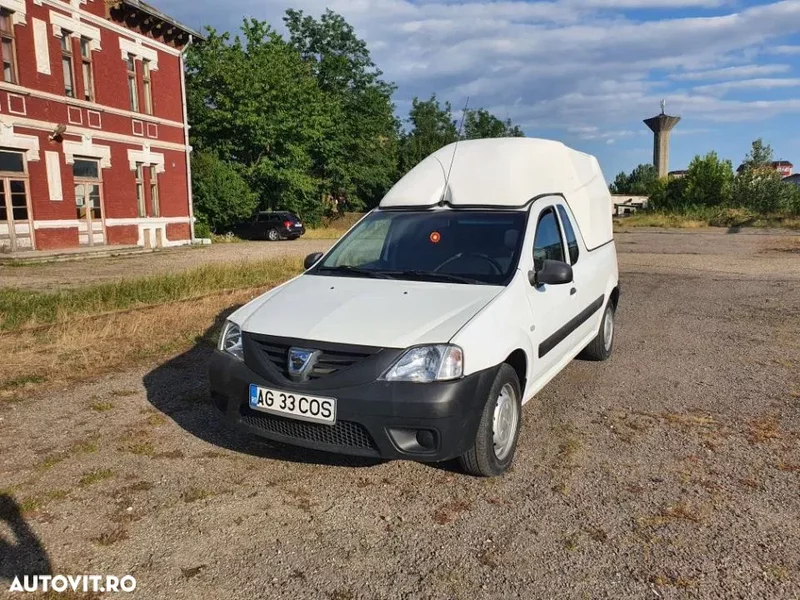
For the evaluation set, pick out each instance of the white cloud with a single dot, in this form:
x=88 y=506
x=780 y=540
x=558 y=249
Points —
x=785 y=50
x=759 y=84
x=731 y=72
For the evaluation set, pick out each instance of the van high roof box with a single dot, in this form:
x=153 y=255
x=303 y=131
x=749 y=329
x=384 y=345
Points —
x=510 y=173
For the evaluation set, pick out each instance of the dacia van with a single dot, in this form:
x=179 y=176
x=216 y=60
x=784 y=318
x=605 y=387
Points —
x=426 y=328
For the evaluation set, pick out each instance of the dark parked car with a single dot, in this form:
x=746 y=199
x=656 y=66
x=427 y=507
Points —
x=273 y=226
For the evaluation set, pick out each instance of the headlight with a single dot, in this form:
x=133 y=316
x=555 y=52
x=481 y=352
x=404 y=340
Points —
x=428 y=363
x=230 y=341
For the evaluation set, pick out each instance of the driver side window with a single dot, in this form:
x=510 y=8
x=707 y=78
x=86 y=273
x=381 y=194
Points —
x=547 y=244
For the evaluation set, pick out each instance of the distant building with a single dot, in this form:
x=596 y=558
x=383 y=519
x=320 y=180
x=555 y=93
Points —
x=784 y=167
x=677 y=174
x=622 y=204
x=793 y=179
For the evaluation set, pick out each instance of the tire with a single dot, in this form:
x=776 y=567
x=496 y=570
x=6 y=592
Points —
x=484 y=459
x=600 y=347
x=273 y=235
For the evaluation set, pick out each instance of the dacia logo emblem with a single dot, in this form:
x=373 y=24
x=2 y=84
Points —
x=300 y=362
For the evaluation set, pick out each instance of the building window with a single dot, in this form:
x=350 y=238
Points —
x=66 y=61
x=9 y=50
x=88 y=75
x=154 y=192
x=140 y=202
x=133 y=90
x=147 y=87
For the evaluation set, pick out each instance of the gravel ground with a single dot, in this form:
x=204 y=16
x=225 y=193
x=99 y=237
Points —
x=670 y=471
x=60 y=275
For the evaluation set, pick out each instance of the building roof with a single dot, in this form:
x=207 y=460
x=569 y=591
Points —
x=509 y=173
x=126 y=6
x=782 y=163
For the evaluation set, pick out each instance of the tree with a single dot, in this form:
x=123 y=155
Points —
x=708 y=181
x=358 y=159
x=480 y=123
x=222 y=197
x=431 y=127
x=255 y=103
x=759 y=157
x=639 y=183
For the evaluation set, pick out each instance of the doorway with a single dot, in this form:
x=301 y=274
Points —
x=16 y=228
x=89 y=201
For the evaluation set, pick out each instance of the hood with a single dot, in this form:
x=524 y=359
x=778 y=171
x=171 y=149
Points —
x=370 y=312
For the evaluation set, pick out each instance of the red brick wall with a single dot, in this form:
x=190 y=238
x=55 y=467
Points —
x=53 y=239
x=123 y=234
x=178 y=231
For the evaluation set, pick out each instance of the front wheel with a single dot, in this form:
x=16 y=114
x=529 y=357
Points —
x=498 y=430
x=600 y=347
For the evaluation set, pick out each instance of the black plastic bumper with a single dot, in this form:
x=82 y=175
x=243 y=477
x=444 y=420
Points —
x=379 y=419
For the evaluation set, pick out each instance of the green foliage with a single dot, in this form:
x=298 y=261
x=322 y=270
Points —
x=222 y=197
x=307 y=123
x=357 y=161
x=431 y=127
x=760 y=156
x=640 y=182
x=711 y=193
x=708 y=181
x=255 y=102
x=480 y=124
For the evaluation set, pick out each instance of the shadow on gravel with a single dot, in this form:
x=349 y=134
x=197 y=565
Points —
x=179 y=389
x=24 y=554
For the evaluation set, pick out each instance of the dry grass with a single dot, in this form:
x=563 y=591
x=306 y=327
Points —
x=644 y=219
x=92 y=477
x=690 y=420
x=71 y=351
x=22 y=309
x=763 y=430
x=323 y=233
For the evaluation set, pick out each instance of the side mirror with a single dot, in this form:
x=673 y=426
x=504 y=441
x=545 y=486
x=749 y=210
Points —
x=552 y=272
x=312 y=259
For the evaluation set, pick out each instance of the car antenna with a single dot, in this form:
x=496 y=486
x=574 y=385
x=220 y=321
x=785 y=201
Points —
x=455 y=147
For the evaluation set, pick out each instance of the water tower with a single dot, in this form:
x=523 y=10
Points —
x=661 y=126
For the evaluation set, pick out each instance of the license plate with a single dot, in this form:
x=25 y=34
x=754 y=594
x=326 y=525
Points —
x=290 y=404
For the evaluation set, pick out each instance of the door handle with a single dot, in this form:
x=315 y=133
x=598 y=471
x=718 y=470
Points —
x=572 y=291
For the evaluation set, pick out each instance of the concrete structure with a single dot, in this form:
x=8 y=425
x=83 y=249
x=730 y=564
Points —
x=678 y=174
x=622 y=204
x=93 y=128
x=783 y=167
x=661 y=126
x=793 y=179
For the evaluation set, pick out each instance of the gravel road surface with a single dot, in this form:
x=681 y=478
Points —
x=670 y=471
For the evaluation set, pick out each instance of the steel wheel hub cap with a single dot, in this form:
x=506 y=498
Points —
x=608 y=329
x=504 y=423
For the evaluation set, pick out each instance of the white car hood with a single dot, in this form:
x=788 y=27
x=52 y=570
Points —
x=370 y=312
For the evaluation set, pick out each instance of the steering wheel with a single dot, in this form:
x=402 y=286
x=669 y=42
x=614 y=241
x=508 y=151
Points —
x=494 y=264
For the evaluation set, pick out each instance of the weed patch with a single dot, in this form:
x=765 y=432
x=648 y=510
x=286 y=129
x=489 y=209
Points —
x=95 y=476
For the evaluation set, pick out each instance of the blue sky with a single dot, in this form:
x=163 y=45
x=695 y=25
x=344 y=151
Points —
x=583 y=71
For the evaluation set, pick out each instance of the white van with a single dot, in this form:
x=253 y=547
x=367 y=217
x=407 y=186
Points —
x=424 y=330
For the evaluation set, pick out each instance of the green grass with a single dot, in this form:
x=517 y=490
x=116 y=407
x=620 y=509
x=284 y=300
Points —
x=695 y=217
x=20 y=308
x=95 y=476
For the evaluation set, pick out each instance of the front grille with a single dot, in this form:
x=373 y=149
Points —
x=343 y=433
x=329 y=361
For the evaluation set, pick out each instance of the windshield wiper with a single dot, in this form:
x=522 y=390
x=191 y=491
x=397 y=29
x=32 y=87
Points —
x=433 y=276
x=349 y=269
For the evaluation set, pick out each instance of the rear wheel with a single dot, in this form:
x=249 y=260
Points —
x=600 y=347
x=273 y=235
x=498 y=430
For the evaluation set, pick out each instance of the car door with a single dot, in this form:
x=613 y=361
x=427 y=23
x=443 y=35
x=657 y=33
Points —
x=587 y=281
x=552 y=306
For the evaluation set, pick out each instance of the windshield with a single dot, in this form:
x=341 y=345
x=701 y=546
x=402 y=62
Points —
x=458 y=246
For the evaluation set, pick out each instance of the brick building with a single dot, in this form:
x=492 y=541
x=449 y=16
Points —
x=93 y=132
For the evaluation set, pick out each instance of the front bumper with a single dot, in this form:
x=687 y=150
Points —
x=377 y=419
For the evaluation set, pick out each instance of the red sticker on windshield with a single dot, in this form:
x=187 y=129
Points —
x=435 y=237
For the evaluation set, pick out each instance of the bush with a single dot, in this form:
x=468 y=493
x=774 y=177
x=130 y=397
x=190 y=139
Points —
x=222 y=197
x=202 y=230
